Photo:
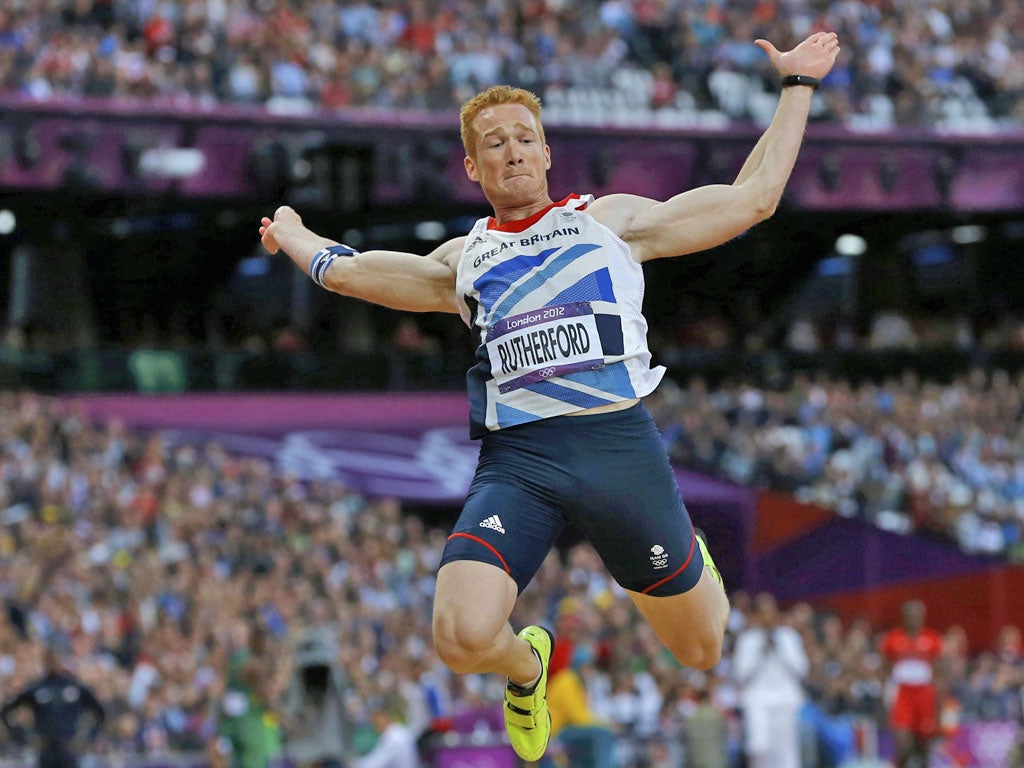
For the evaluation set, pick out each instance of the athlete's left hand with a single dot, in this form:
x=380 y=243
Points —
x=814 y=56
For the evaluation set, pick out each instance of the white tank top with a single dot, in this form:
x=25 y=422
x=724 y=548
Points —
x=554 y=302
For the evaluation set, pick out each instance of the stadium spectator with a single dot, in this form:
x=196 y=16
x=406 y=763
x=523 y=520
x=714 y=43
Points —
x=248 y=730
x=705 y=730
x=588 y=742
x=907 y=64
x=771 y=668
x=396 y=743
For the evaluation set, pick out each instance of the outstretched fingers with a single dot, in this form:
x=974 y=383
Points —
x=828 y=41
x=266 y=237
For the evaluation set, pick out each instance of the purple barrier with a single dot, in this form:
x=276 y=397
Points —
x=415 y=447
x=275 y=413
x=889 y=177
x=988 y=179
x=475 y=757
x=406 y=156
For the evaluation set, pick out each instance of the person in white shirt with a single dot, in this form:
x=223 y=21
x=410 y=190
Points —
x=770 y=666
x=396 y=742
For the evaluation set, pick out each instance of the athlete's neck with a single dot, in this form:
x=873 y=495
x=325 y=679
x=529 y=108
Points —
x=509 y=213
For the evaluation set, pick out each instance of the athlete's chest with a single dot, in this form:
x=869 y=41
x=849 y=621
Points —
x=496 y=260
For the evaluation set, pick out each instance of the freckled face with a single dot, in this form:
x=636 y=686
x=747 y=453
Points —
x=510 y=161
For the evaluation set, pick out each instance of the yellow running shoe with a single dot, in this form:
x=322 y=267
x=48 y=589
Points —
x=527 y=719
x=702 y=542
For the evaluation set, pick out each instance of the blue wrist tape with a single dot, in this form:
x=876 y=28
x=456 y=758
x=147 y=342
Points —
x=323 y=259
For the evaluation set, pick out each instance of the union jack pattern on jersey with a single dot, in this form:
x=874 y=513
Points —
x=554 y=302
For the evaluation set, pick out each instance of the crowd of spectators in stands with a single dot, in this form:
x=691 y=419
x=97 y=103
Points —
x=149 y=563
x=955 y=66
x=907 y=453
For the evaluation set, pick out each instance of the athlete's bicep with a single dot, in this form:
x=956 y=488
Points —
x=399 y=280
x=692 y=221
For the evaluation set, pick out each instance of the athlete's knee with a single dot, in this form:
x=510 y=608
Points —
x=700 y=643
x=700 y=649
x=462 y=641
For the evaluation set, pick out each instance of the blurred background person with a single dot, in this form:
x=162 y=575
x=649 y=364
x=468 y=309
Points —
x=587 y=740
x=911 y=651
x=60 y=705
x=396 y=742
x=771 y=665
x=249 y=733
x=706 y=733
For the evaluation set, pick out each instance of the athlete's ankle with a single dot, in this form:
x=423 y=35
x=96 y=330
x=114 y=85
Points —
x=520 y=689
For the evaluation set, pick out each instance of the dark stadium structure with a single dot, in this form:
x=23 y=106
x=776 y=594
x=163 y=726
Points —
x=149 y=218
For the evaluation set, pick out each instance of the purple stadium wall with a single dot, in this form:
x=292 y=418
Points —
x=877 y=171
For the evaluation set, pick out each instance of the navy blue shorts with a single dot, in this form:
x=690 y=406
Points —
x=608 y=474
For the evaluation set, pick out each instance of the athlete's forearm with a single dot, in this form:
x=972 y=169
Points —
x=390 y=278
x=396 y=280
x=771 y=161
x=300 y=243
x=753 y=160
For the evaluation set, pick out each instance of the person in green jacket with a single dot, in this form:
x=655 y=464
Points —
x=248 y=730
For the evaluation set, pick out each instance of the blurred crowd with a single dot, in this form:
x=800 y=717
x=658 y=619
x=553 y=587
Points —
x=936 y=63
x=894 y=329
x=908 y=454
x=153 y=565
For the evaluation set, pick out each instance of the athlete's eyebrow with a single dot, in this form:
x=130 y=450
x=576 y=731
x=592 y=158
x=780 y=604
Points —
x=485 y=134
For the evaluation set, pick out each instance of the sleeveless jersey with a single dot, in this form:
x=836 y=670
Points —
x=554 y=303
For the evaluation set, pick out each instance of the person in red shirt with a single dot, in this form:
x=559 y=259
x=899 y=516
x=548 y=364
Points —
x=911 y=651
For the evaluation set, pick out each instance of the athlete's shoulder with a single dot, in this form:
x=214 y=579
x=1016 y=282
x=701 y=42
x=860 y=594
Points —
x=617 y=211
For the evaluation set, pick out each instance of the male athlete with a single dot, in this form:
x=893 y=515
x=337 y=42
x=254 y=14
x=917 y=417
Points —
x=552 y=293
x=911 y=651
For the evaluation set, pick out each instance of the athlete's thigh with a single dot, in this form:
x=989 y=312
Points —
x=630 y=509
x=690 y=623
x=510 y=518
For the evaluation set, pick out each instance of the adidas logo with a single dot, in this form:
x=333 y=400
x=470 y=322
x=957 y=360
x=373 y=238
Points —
x=494 y=523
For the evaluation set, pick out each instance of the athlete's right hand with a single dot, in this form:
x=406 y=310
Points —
x=284 y=218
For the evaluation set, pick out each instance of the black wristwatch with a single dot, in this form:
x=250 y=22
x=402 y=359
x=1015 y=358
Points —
x=791 y=80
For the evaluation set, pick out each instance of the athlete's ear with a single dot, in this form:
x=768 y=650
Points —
x=471 y=168
x=547 y=157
